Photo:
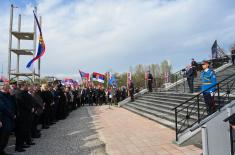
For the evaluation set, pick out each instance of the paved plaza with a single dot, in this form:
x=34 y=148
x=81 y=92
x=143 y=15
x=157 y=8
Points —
x=103 y=130
x=126 y=133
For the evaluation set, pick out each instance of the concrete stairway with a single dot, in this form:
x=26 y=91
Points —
x=158 y=106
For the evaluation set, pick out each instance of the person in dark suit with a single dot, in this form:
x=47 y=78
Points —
x=83 y=96
x=61 y=113
x=90 y=96
x=132 y=90
x=150 y=81
x=123 y=93
x=194 y=65
x=38 y=110
x=233 y=55
x=7 y=108
x=23 y=118
x=190 y=77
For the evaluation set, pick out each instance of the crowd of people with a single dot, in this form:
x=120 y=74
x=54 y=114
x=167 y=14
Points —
x=24 y=107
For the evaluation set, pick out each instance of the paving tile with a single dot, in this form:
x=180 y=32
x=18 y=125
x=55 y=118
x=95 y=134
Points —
x=134 y=134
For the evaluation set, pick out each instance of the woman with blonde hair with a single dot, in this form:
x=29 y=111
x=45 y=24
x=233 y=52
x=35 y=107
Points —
x=45 y=95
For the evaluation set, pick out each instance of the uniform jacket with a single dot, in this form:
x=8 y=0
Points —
x=208 y=79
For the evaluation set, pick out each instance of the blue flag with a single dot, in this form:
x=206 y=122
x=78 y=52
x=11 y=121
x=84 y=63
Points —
x=112 y=80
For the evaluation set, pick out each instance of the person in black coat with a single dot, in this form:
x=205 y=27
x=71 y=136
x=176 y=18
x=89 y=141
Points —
x=118 y=95
x=61 y=112
x=124 y=93
x=83 y=96
x=47 y=101
x=233 y=55
x=38 y=109
x=101 y=96
x=131 y=90
x=23 y=117
x=96 y=96
x=190 y=77
x=150 y=81
x=90 y=96
x=7 y=108
x=78 y=96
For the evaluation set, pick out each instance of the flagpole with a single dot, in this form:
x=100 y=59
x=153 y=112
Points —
x=107 y=80
x=10 y=42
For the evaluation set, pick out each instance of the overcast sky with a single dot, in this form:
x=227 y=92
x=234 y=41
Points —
x=96 y=35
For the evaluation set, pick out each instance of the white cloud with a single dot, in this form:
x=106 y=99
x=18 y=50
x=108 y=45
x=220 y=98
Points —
x=94 y=35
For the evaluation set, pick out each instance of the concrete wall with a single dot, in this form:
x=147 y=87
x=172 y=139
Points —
x=216 y=133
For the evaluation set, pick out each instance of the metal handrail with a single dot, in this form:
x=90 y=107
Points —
x=193 y=106
x=203 y=91
x=175 y=75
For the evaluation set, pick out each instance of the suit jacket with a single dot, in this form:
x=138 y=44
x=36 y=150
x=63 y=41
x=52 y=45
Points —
x=7 y=112
x=24 y=103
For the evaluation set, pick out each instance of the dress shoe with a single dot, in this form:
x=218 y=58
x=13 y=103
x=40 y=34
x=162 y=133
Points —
x=4 y=153
x=19 y=150
x=36 y=136
x=45 y=127
x=31 y=143
x=26 y=146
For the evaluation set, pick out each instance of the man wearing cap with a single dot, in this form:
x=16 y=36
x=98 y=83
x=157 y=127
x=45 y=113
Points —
x=208 y=79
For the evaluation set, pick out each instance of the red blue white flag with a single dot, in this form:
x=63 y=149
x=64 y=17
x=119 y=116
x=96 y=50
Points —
x=98 y=77
x=41 y=45
x=84 y=75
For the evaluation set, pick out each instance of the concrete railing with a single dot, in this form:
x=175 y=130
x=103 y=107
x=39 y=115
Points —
x=142 y=92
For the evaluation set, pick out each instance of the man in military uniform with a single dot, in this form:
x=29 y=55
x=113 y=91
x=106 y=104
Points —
x=208 y=79
x=150 y=81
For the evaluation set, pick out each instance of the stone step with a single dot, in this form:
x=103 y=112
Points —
x=151 y=117
x=159 y=114
x=165 y=102
x=167 y=109
x=183 y=98
x=172 y=94
x=168 y=98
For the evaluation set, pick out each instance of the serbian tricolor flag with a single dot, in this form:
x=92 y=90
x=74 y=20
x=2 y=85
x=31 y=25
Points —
x=98 y=77
x=84 y=75
x=41 y=46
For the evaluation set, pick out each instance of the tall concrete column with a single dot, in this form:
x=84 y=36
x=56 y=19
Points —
x=10 y=42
